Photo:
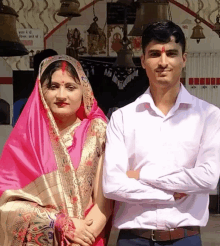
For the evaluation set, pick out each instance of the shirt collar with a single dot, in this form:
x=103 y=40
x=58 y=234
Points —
x=184 y=97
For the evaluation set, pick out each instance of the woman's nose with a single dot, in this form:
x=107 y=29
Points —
x=61 y=94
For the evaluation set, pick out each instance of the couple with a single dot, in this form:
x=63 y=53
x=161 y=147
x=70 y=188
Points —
x=161 y=158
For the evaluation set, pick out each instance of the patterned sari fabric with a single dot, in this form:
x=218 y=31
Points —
x=40 y=177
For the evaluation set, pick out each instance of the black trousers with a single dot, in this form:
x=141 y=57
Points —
x=126 y=238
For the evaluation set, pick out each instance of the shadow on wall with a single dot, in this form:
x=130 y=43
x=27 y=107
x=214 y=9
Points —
x=4 y=112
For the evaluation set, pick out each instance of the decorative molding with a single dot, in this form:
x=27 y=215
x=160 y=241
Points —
x=6 y=80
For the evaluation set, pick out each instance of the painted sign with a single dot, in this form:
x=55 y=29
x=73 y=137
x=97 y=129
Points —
x=31 y=38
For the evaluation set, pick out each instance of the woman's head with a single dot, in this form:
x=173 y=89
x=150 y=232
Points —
x=62 y=89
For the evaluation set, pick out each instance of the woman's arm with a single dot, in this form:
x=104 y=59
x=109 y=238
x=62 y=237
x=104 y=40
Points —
x=103 y=207
x=99 y=214
x=25 y=221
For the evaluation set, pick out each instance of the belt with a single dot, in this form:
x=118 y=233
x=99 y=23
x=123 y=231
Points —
x=160 y=235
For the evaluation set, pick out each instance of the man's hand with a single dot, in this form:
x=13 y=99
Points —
x=178 y=196
x=133 y=174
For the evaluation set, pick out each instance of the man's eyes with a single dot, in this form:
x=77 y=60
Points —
x=172 y=53
x=158 y=54
x=155 y=54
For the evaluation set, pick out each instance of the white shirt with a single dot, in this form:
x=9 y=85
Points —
x=179 y=152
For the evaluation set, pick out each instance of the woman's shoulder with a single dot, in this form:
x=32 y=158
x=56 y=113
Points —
x=98 y=127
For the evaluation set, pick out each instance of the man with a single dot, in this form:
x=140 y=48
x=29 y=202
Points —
x=163 y=151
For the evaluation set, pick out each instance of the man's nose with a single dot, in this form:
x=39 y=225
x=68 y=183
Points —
x=163 y=60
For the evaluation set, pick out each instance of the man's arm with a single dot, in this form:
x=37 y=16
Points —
x=203 y=177
x=116 y=184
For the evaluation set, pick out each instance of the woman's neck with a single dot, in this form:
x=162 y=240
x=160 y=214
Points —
x=66 y=122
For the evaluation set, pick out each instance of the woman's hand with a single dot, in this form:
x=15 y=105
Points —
x=81 y=234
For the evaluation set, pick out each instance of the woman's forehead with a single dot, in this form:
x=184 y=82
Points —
x=61 y=74
x=64 y=77
x=60 y=59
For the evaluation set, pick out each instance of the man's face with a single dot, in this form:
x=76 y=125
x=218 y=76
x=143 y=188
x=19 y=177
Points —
x=163 y=63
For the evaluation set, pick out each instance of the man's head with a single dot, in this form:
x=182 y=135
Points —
x=164 y=56
x=161 y=32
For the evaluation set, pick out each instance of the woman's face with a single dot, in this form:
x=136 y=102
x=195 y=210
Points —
x=64 y=97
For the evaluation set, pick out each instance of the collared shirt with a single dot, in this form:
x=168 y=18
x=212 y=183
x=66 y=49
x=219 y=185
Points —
x=177 y=152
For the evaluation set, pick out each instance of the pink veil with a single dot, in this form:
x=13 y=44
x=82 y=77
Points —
x=29 y=147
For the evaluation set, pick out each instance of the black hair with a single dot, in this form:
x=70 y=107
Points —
x=162 y=32
x=39 y=57
x=53 y=67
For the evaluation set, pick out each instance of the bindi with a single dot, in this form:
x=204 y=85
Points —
x=64 y=65
x=163 y=49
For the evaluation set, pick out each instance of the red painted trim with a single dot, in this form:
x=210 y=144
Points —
x=196 y=81
x=212 y=81
x=191 y=80
x=207 y=81
x=6 y=80
x=202 y=81
x=189 y=11
x=65 y=21
x=89 y=5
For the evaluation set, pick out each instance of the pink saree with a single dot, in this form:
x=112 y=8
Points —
x=40 y=177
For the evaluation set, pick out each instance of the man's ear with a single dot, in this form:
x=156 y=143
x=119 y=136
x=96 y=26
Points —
x=184 y=59
x=143 y=61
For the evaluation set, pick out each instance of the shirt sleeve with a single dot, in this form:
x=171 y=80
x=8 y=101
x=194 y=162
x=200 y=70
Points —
x=203 y=177
x=116 y=184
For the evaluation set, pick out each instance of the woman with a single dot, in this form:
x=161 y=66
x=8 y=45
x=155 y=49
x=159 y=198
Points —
x=51 y=165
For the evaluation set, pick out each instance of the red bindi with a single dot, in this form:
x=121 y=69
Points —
x=163 y=49
x=64 y=64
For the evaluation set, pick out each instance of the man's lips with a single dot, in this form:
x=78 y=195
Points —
x=163 y=71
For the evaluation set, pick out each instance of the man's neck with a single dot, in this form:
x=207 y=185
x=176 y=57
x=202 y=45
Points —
x=164 y=98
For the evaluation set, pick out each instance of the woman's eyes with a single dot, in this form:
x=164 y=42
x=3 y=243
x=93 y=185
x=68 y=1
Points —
x=69 y=87
x=51 y=87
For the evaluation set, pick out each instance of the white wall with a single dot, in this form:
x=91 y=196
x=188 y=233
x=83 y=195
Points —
x=6 y=93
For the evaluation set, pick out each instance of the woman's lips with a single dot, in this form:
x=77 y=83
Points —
x=62 y=104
